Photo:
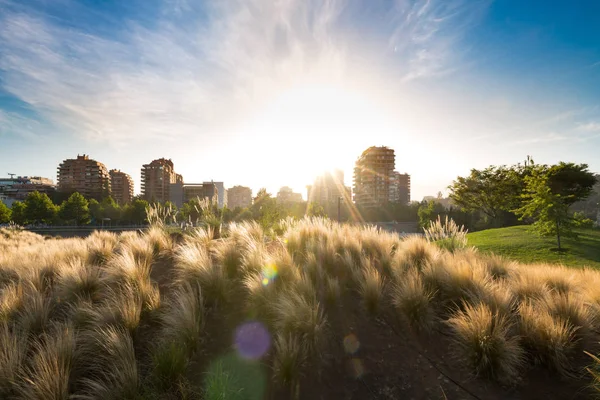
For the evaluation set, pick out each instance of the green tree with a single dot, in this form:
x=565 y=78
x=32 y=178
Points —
x=75 y=210
x=110 y=209
x=96 y=211
x=549 y=192
x=18 y=213
x=428 y=212
x=136 y=211
x=5 y=213
x=494 y=191
x=315 y=210
x=265 y=209
x=39 y=208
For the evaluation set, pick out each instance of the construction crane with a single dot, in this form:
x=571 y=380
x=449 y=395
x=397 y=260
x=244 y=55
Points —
x=12 y=176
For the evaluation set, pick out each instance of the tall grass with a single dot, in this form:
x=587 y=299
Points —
x=115 y=316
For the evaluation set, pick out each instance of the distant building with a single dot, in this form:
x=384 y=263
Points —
x=84 y=175
x=287 y=195
x=180 y=193
x=121 y=186
x=17 y=189
x=222 y=193
x=399 y=188
x=157 y=178
x=373 y=173
x=328 y=188
x=239 y=196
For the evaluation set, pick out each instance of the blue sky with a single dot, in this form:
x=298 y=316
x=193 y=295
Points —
x=269 y=93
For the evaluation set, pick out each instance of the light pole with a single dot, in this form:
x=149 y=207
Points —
x=339 y=208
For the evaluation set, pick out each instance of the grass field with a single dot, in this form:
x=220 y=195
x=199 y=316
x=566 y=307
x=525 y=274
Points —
x=322 y=311
x=521 y=244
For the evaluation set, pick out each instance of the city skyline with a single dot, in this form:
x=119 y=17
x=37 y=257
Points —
x=271 y=94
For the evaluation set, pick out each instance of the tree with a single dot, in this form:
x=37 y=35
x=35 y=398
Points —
x=5 y=213
x=75 y=210
x=265 y=209
x=39 y=209
x=18 y=213
x=96 y=211
x=136 y=211
x=315 y=210
x=429 y=211
x=494 y=191
x=549 y=192
x=110 y=209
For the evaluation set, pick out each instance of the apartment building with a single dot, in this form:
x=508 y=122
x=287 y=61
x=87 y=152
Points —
x=400 y=188
x=84 y=175
x=239 y=196
x=157 y=178
x=328 y=187
x=373 y=173
x=121 y=186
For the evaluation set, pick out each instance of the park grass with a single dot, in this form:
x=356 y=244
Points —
x=519 y=243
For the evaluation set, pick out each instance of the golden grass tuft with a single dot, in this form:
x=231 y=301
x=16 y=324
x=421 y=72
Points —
x=12 y=357
x=413 y=300
x=486 y=342
x=550 y=340
x=371 y=289
x=48 y=376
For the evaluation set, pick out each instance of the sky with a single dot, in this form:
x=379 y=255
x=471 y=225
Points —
x=267 y=93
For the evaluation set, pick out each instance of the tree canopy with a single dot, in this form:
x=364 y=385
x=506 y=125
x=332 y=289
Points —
x=548 y=194
x=75 y=210
x=5 y=213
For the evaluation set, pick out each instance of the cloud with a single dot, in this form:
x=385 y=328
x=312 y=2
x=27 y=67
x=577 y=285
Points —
x=589 y=127
x=547 y=138
x=171 y=80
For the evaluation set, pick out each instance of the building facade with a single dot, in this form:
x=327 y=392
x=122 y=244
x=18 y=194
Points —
x=400 y=188
x=180 y=193
x=157 y=178
x=373 y=173
x=328 y=188
x=222 y=193
x=239 y=196
x=16 y=189
x=121 y=186
x=84 y=175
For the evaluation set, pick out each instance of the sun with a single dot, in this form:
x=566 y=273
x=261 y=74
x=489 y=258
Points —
x=312 y=128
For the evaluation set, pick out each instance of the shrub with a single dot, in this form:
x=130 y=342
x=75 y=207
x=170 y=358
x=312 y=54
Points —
x=485 y=340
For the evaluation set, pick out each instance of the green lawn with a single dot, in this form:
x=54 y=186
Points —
x=521 y=244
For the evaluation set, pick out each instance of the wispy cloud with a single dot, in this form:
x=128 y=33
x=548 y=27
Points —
x=169 y=81
x=589 y=127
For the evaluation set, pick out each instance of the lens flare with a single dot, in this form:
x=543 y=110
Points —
x=269 y=273
x=252 y=340
x=351 y=343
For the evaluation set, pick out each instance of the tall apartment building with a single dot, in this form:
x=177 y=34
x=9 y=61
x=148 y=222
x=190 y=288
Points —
x=157 y=178
x=373 y=175
x=328 y=188
x=121 y=186
x=84 y=175
x=400 y=188
x=239 y=196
